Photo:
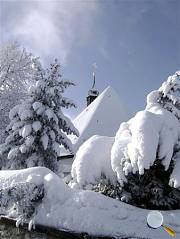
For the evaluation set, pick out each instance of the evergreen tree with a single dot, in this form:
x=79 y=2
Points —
x=168 y=95
x=150 y=190
x=38 y=126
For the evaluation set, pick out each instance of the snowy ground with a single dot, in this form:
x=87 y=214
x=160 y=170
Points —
x=87 y=211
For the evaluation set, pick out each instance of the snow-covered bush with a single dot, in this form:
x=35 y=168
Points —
x=92 y=161
x=151 y=134
x=151 y=190
x=20 y=200
x=106 y=187
x=145 y=154
x=17 y=70
x=38 y=126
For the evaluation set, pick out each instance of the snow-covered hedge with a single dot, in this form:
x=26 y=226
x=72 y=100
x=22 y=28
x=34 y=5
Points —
x=21 y=200
x=21 y=193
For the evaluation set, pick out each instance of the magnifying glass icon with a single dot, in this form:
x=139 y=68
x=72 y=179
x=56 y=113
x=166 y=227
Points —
x=155 y=220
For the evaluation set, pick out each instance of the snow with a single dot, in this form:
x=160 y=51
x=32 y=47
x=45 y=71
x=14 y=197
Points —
x=56 y=147
x=25 y=113
x=17 y=125
x=13 y=112
x=26 y=130
x=119 y=151
x=40 y=110
x=152 y=98
x=102 y=117
x=36 y=105
x=34 y=178
x=23 y=148
x=152 y=130
x=13 y=153
x=171 y=83
x=92 y=160
x=36 y=125
x=45 y=140
x=52 y=135
x=175 y=176
x=87 y=211
x=50 y=114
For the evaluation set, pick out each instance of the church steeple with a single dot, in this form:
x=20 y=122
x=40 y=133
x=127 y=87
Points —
x=92 y=93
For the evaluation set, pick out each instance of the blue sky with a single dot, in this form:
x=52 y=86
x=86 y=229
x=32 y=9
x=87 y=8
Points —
x=135 y=43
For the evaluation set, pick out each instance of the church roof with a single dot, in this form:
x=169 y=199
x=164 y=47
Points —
x=102 y=117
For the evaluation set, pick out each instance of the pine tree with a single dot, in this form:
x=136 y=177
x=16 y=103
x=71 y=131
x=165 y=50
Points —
x=168 y=94
x=154 y=189
x=38 y=126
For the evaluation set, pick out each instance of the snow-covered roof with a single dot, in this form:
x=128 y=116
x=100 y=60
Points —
x=103 y=117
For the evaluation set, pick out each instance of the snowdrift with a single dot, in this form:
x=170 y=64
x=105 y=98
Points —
x=87 y=211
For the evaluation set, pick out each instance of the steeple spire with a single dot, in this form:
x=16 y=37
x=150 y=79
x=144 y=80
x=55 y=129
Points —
x=93 y=93
x=94 y=65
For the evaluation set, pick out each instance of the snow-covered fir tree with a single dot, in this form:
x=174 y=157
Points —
x=17 y=70
x=38 y=126
x=145 y=154
x=168 y=95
